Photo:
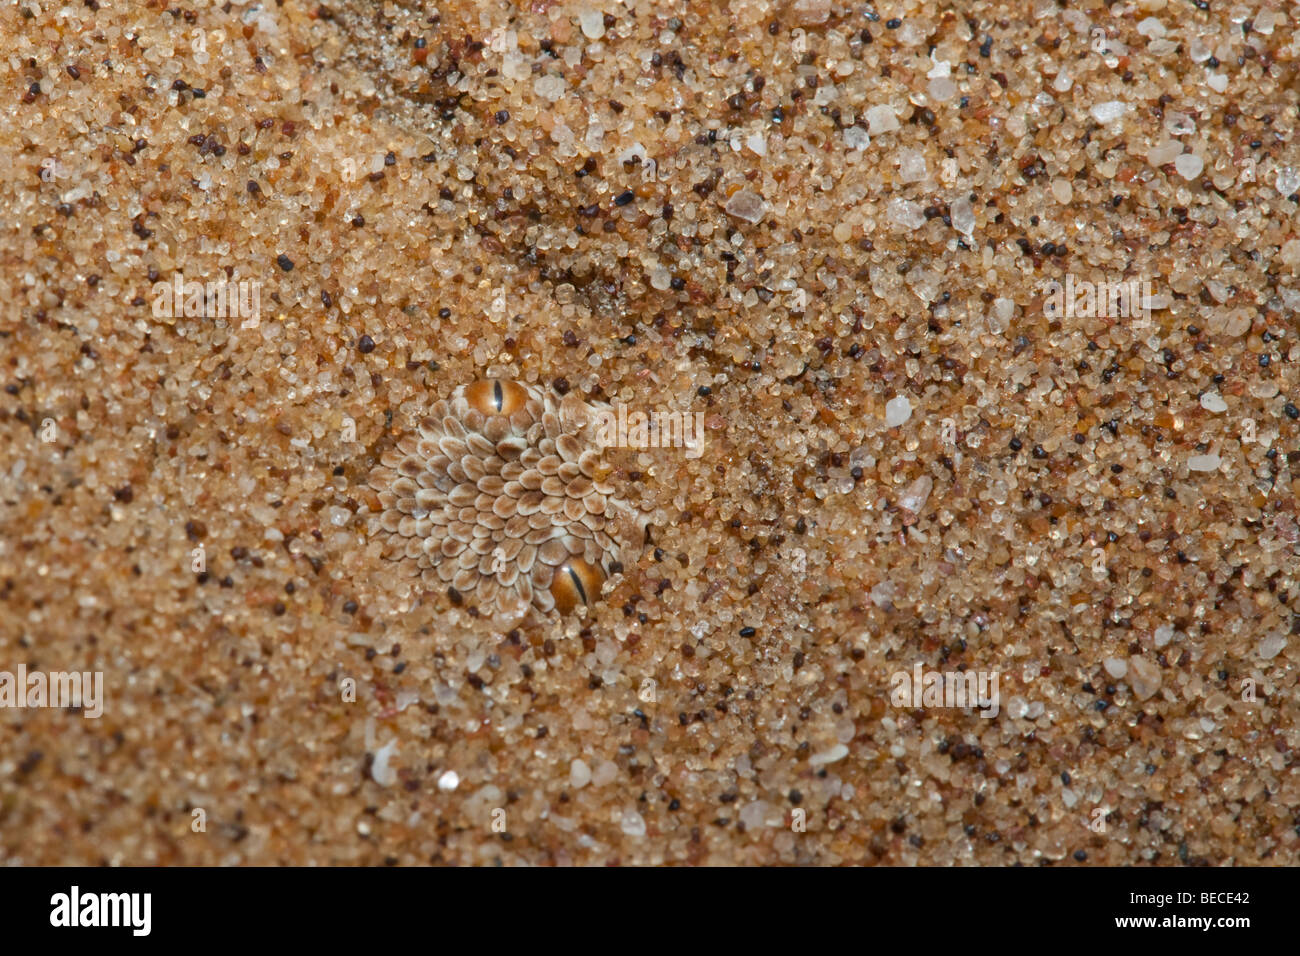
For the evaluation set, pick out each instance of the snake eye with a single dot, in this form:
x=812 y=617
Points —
x=495 y=397
x=576 y=582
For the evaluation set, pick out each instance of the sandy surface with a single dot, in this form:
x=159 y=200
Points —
x=828 y=231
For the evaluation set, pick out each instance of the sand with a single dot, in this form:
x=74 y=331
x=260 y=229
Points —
x=829 y=231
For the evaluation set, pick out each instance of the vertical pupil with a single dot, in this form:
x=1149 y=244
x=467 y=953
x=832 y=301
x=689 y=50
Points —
x=577 y=583
x=498 y=397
